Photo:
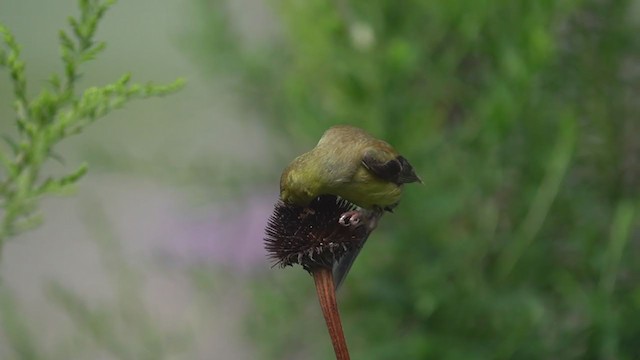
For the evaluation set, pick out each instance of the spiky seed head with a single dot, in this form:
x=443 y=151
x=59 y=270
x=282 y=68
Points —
x=311 y=235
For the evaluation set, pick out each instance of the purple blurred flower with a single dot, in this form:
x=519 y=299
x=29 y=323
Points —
x=229 y=234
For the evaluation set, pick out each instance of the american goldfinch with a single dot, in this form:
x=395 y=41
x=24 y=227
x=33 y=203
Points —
x=349 y=163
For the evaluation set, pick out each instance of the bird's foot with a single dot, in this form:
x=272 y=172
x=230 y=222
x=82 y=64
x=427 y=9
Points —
x=351 y=218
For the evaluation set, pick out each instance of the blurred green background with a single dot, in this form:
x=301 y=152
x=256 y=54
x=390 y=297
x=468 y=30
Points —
x=521 y=117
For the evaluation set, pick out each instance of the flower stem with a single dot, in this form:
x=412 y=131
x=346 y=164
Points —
x=323 y=279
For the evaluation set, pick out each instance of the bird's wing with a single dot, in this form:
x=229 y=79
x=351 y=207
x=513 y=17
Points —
x=407 y=173
x=397 y=170
x=386 y=170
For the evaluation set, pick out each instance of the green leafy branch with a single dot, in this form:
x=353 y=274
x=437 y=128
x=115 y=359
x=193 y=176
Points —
x=55 y=113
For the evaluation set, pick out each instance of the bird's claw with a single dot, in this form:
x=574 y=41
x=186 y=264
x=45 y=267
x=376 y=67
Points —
x=351 y=218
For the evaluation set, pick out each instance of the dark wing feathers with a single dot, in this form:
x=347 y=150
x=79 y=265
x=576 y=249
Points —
x=388 y=170
x=407 y=174
x=397 y=170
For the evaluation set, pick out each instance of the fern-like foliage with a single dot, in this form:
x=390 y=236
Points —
x=58 y=111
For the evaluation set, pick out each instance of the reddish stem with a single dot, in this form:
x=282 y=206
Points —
x=323 y=279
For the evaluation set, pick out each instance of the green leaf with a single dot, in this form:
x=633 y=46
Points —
x=54 y=114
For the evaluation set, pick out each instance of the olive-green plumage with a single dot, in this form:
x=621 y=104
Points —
x=350 y=163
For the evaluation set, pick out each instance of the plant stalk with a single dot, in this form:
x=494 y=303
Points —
x=323 y=279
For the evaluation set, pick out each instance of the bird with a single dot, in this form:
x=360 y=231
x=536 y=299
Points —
x=350 y=163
